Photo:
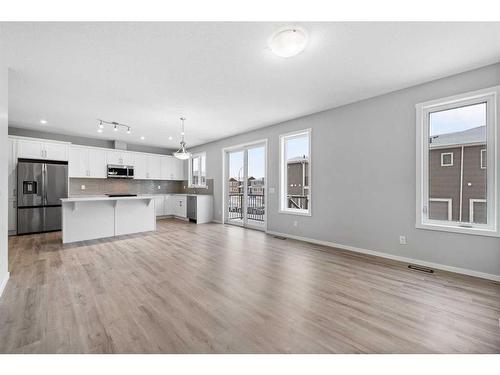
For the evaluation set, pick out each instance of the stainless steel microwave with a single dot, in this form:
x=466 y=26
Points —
x=120 y=171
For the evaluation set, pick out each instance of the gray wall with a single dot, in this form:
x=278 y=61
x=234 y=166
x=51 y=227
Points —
x=363 y=177
x=85 y=141
x=3 y=173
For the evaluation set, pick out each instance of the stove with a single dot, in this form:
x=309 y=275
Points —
x=121 y=195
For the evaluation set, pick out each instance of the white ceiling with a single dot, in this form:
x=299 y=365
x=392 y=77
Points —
x=221 y=76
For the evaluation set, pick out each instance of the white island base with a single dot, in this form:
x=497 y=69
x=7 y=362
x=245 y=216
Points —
x=88 y=218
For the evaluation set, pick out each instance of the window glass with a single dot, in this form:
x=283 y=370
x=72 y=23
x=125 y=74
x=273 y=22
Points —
x=456 y=137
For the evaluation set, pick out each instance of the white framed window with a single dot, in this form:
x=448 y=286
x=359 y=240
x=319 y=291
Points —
x=447 y=159
x=459 y=125
x=295 y=173
x=197 y=171
x=482 y=163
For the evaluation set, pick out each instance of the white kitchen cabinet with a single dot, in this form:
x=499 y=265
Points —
x=160 y=205
x=171 y=168
x=30 y=149
x=140 y=167
x=178 y=167
x=56 y=151
x=40 y=149
x=78 y=161
x=154 y=167
x=87 y=162
x=168 y=205
x=97 y=163
x=120 y=157
x=147 y=167
x=166 y=167
x=179 y=205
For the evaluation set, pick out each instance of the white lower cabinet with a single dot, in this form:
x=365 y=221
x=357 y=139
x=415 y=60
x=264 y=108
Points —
x=160 y=205
x=180 y=206
x=171 y=205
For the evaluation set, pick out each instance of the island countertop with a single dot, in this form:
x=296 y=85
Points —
x=87 y=198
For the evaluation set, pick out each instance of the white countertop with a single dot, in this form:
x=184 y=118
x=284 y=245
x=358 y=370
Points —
x=83 y=198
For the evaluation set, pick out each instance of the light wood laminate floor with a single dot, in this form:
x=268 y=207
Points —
x=213 y=288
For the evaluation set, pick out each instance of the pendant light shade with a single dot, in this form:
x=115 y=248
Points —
x=182 y=153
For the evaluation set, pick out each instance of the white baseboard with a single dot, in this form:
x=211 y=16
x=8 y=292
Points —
x=438 y=266
x=216 y=221
x=3 y=284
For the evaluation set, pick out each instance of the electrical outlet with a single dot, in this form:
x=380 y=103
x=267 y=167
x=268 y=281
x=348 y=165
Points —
x=295 y=223
x=159 y=187
x=82 y=187
x=402 y=240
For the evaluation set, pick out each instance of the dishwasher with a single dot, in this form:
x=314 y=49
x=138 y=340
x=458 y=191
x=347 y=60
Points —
x=191 y=208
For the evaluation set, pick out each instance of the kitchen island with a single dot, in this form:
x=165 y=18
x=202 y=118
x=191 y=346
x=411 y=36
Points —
x=92 y=217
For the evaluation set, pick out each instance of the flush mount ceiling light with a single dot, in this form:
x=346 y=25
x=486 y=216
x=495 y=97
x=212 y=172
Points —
x=43 y=122
x=182 y=153
x=288 y=42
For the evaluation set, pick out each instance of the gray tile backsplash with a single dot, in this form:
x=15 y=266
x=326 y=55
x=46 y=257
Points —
x=99 y=186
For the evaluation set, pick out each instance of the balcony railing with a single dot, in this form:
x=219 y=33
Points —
x=300 y=202
x=255 y=207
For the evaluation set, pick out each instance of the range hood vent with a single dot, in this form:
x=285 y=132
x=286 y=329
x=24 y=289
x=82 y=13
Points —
x=119 y=145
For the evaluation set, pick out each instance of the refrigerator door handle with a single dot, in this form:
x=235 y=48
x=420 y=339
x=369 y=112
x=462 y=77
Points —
x=44 y=174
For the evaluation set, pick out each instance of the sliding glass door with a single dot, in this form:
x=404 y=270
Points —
x=246 y=186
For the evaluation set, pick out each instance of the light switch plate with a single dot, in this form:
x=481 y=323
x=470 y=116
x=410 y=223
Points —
x=82 y=187
x=271 y=190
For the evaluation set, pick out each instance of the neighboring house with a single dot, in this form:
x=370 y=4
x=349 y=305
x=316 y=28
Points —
x=234 y=186
x=298 y=181
x=256 y=186
x=457 y=176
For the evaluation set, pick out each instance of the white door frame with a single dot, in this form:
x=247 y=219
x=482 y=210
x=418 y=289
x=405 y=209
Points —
x=225 y=166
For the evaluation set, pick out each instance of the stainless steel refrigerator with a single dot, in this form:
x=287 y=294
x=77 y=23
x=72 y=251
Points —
x=40 y=185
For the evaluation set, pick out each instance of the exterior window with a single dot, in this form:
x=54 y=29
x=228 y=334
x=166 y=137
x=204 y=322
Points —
x=447 y=159
x=197 y=171
x=483 y=159
x=295 y=176
x=455 y=133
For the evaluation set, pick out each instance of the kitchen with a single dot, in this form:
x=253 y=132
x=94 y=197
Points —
x=94 y=192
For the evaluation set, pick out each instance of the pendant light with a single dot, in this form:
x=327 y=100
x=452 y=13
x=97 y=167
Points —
x=182 y=153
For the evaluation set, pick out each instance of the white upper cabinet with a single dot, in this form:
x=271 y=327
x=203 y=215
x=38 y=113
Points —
x=97 y=163
x=179 y=169
x=172 y=168
x=120 y=157
x=56 y=151
x=154 y=167
x=78 y=165
x=141 y=167
x=30 y=149
x=167 y=167
x=87 y=162
x=147 y=167
x=38 y=149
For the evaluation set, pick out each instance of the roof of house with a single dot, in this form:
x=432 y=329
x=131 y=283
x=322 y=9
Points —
x=470 y=136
